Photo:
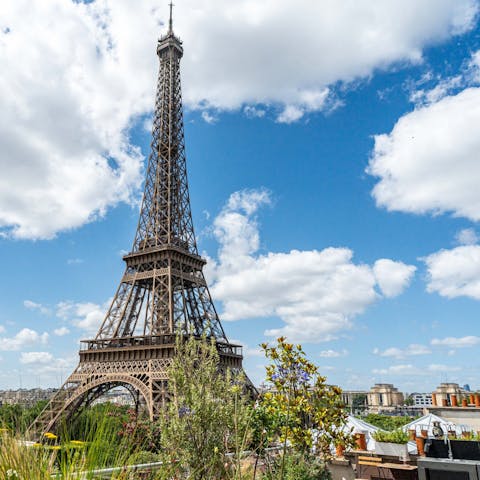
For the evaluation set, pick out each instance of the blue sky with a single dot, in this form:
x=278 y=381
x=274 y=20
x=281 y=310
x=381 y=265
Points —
x=333 y=163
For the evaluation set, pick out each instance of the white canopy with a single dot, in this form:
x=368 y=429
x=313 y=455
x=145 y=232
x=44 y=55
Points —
x=426 y=423
x=356 y=425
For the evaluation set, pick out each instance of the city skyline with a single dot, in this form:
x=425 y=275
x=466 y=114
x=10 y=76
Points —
x=331 y=166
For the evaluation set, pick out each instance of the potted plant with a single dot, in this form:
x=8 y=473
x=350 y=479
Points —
x=391 y=443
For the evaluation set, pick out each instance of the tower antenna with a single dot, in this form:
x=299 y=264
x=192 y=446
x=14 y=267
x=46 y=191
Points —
x=170 y=23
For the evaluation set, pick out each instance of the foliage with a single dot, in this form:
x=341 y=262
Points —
x=204 y=431
x=394 y=436
x=42 y=461
x=17 y=418
x=302 y=405
x=388 y=422
x=359 y=401
x=298 y=466
x=141 y=431
x=208 y=415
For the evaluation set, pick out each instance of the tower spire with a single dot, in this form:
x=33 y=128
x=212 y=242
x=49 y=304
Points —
x=170 y=23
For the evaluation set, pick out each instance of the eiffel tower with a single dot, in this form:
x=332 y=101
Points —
x=163 y=292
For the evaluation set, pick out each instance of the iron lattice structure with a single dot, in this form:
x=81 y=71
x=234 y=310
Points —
x=163 y=292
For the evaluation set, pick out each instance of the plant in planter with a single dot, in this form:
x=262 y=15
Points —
x=391 y=443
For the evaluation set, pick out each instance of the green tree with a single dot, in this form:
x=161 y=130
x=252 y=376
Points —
x=308 y=412
x=207 y=417
x=359 y=401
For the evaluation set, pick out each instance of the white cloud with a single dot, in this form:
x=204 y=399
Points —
x=315 y=293
x=333 y=353
x=392 y=277
x=46 y=366
x=457 y=342
x=148 y=124
x=62 y=331
x=87 y=316
x=455 y=273
x=467 y=236
x=74 y=261
x=266 y=66
x=474 y=67
x=67 y=107
x=412 y=349
x=443 y=88
x=290 y=114
x=24 y=338
x=412 y=370
x=253 y=112
x=252 y=352
x=209 y=117
x=468 y=76
x=36 y=306
x=29 y=358
x=2 y=329
x=429 y=163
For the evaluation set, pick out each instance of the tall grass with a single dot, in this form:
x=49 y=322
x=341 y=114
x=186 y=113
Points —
x=64 y=457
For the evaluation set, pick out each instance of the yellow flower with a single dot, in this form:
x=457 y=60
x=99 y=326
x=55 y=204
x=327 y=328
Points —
x=235 y=389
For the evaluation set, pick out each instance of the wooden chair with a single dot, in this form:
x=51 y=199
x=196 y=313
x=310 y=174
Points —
x=364 y=461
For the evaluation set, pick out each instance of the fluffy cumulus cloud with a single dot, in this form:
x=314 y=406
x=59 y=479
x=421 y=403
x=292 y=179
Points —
x=429 y=162
x=87 y=74
x=392 y=277
x=65 y=110
x=316 y=293
x=84 y=315
x=46 y=366
x=29 y=358
x=467 y=236
x=266 y=38
x=62 y=331
x=455 y=272
x=23 y=339
x=395 y=352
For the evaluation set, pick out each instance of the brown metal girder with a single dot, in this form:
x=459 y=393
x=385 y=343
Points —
x=164 y=252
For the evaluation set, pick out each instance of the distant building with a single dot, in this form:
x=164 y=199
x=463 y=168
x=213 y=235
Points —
x=118 y=396
x=355 y=400
x=384 y=397
x=457 y=405
x=421 y=399
x=25 y=397
x=443 y=393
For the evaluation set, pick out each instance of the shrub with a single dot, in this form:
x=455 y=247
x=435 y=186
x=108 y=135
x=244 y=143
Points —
x=208 y=415
x=302 y=405
x=299 y=467
x=395 y=436
x=388 y=422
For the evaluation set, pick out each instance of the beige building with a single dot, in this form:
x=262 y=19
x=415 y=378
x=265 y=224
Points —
x=384 y=397
x=443 y=394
